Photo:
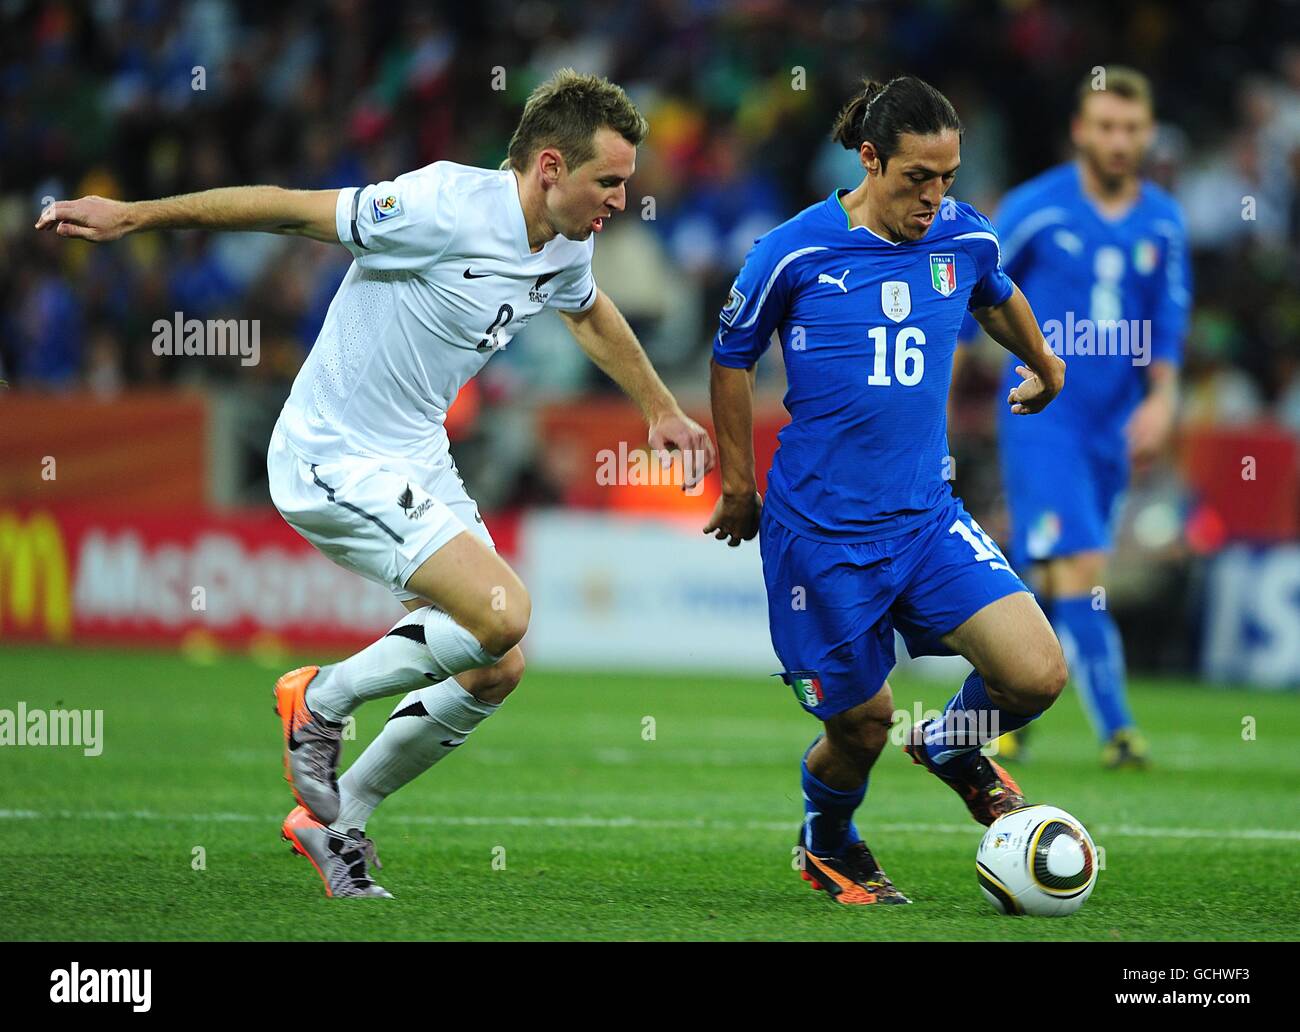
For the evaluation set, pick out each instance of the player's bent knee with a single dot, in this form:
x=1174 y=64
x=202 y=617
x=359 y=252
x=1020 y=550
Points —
x=492 y=684
x=1054 y=680
x=1037 y=683
x=868 y=739
x=510 y=671
x=1050 y=675
x=859 y=735
x=852 y=752
x=501 y=628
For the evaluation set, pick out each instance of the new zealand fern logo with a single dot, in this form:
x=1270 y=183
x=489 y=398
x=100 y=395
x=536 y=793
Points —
x=536 y=296
x=406 y=502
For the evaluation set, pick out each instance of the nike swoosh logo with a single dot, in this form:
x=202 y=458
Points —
x=476 y=275
x=451 y=743
x=543 y=278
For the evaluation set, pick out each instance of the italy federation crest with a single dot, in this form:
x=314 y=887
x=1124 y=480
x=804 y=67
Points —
x=943 y=273
x=895 y=299
x=807 y=686
x=1145 y=257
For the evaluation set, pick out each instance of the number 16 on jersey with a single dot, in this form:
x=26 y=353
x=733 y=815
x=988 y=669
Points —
x=909 y=361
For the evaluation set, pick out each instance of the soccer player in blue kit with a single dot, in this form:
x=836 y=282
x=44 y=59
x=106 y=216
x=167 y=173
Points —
x=860 y=533
x=1101 y=254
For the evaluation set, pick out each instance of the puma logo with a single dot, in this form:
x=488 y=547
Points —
x=825 y=278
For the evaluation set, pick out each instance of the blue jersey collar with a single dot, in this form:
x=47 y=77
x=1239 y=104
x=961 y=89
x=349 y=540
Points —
x=841 y=216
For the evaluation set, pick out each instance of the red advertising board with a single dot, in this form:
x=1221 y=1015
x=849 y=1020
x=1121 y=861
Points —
x=242 y=578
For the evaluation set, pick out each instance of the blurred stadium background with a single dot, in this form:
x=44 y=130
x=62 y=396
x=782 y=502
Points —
x=127 y=480
x=144 y=571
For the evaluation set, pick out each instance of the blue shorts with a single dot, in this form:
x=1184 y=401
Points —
x=1063 y=498
x=833 y=608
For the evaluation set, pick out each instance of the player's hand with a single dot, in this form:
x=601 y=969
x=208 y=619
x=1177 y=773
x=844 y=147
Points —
x=1033 y=392
x=735 y=517
x=88 y=218
x=677 y=431
x=1149 y=429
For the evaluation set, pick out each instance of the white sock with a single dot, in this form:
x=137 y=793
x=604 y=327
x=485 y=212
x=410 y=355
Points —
x=426 y=645
x=426 y=726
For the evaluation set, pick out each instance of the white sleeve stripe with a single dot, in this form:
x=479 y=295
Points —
x=1171 y=231
x=982 y=235
x=762 y=297
x=1017 y=239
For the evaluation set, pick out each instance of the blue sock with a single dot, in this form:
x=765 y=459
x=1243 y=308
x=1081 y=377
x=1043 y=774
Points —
x=969 y=720
x=828 y=814
x=1096 y=656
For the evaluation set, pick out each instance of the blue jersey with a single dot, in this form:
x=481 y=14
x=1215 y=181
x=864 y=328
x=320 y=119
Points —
x=1111 y=296
x=867 y=328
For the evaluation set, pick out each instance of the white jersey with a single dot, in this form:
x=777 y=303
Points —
x=443 y=278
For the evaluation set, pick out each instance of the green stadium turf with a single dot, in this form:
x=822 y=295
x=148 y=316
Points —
x=605 y=834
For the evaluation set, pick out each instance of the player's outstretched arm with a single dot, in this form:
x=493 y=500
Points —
x=1152 y=422
x=735 y=517
x=603 y=333
x=267 y=209
x=1012 y=324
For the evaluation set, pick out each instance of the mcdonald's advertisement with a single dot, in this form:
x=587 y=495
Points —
x=235 y=579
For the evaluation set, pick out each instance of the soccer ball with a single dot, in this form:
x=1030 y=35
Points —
x=1037 y=860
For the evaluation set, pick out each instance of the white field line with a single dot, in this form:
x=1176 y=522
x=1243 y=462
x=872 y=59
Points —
x=1119 y=830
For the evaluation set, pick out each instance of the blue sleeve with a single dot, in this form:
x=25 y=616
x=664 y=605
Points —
x=969 y=332
x=992 y=285
x=754 y=308
x=1016 y=230
x=1173 y=300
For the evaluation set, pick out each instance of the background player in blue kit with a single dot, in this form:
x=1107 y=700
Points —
x=860 y=533
x=1101 y=254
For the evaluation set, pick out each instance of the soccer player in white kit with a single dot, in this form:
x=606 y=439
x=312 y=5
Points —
x=450 y=262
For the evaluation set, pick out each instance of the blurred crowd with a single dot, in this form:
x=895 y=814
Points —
x=151 y=98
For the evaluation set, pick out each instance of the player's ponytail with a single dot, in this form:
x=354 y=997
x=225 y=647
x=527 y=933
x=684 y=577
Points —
x=847 y=130
x=882 y=113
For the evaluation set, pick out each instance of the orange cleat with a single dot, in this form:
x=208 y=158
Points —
x=988 y=791
x=340 y=860
x=854 y=879
x=311 y=746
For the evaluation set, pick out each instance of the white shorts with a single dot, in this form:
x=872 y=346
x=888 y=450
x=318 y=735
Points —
x=380 y=518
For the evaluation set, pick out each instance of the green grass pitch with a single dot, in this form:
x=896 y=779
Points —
x=605 y=831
